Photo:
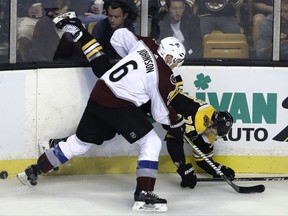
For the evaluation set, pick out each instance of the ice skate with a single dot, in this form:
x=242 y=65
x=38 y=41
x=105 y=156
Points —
x=149 y=202
x=29 y=176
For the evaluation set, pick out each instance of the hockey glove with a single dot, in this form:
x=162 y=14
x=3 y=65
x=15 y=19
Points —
x=227 y=171
x=70 y=23
x=189 y=178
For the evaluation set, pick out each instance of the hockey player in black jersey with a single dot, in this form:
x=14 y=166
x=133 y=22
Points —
x=204 y=125
x=207 y=126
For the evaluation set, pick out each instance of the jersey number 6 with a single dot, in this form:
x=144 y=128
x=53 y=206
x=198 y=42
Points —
x=121 y=71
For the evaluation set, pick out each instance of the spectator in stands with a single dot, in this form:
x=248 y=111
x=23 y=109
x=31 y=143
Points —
x=181 y=23
x=119 y=16
x=218 y=15
x=264 y=7
x=28 y=14
x=49 y=43
x=156 y=6
x=265 y=41
x=261 y=9
x=93 y=14
x=79 y=6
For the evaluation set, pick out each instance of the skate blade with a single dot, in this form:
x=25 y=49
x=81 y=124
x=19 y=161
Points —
x=22 y=177
x=142 y=206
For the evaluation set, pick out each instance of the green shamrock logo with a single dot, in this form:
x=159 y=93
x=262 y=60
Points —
x=202 y=81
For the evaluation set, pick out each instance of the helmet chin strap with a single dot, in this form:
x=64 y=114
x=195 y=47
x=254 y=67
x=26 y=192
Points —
x=169 y=64
x=178 y=64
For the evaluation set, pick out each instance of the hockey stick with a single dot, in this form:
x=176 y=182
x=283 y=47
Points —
x=278 y=178
x=239 y=189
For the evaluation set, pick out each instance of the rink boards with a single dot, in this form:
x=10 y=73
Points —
x=37 y=105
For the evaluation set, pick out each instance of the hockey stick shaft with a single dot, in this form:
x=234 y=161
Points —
x=252 y=189
x=278 y=178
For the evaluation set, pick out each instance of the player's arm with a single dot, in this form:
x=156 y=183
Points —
x=176 y=152
x=188 y=107
x=123 y=41
x=174 y=136
x=206 y=145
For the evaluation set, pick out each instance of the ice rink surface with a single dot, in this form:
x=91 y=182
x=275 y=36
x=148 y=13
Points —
x=112 y=194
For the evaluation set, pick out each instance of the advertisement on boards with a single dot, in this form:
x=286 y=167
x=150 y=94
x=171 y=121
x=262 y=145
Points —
x=257 y=98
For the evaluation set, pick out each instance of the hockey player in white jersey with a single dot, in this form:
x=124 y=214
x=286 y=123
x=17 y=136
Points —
x=113 y=107
x=144 y=74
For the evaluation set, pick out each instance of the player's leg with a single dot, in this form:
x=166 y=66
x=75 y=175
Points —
x=147 y=170
x=91 y=130
x=54 y=142
x=69 y=22
x=133 y=125
x=54 y=157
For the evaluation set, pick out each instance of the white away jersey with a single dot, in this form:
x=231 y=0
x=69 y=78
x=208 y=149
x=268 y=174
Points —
x=135 y=79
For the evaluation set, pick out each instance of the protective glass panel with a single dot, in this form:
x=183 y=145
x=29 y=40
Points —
x=284 y=31
x=4 y=30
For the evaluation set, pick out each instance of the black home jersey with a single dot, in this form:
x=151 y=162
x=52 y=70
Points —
x=197 y=113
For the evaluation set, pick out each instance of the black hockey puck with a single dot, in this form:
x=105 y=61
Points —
x=3 y=175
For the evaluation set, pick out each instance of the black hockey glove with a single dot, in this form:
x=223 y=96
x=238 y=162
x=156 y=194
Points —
x=70 y=23
x=189 y=178
x=227 y=171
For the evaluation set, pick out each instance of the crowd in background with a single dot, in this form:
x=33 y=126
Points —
x=188 y=20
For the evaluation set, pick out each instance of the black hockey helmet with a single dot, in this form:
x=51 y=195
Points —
x=222 y=122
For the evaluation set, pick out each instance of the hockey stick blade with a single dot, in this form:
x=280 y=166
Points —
x=276 y=178
x=252 y=189
x=239 y=189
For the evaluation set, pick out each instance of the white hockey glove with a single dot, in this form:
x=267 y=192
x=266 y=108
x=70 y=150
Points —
x=69 y=22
